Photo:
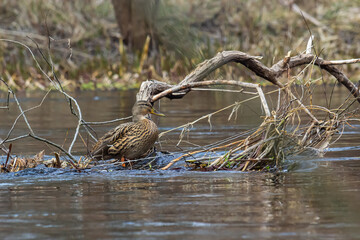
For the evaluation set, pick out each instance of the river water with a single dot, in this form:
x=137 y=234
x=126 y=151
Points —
x=320 y=199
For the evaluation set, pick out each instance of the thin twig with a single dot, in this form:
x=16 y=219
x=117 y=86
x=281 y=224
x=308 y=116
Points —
x=7 y=101
x=57 y=86
x=110 y=121
x=21 y=114
x=24 y=35
x=178 y=88
x=57 y=146
x=341 y=62
x=8 y=155
x=19 y=106
x=218 y=90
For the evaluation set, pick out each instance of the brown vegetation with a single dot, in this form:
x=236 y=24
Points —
x=90 y=52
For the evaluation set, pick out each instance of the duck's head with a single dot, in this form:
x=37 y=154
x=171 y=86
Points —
x=141 y=109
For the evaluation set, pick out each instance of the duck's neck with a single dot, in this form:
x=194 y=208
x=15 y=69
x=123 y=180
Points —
x=137 y=118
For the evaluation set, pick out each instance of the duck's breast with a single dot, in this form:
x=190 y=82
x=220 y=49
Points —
x=143 y=138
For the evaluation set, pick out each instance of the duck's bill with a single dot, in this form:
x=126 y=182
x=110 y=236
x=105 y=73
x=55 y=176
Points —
x=153 y=111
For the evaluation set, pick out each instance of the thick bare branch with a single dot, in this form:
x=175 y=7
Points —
x=151 y=88
x=208 y=66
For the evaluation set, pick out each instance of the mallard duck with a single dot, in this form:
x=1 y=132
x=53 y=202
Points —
x=130 y=140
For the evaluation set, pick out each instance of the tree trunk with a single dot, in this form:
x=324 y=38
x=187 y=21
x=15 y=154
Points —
x=134 y=18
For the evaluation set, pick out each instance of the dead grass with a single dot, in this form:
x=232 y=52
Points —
x=99 y=60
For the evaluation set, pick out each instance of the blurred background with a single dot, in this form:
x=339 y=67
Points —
x=104 y=44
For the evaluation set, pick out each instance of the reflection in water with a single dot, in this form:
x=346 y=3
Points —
x=319 y=200
x=178 y=205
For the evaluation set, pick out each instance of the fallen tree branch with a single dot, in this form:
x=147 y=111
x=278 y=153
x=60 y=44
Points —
x=272 y=74
x=150 y=88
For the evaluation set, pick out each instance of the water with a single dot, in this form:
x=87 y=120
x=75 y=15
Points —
x=318 y=200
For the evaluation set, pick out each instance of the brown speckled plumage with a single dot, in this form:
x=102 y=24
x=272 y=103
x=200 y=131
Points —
x=129 y=140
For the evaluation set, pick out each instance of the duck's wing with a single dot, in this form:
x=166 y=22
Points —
x=100 y=149
x=138 y=138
